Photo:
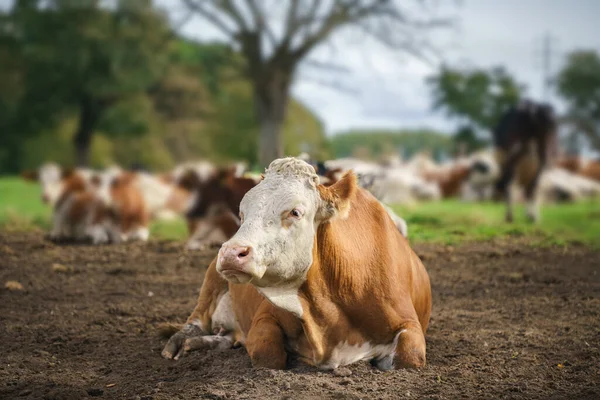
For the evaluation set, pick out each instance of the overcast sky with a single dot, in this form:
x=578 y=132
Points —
x=388 y=90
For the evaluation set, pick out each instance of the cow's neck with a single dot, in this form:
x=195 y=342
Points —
x=327 y=280
x=286 y=298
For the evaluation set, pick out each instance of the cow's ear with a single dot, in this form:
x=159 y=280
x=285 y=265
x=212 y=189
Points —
x=336 y=198
x=30 y=175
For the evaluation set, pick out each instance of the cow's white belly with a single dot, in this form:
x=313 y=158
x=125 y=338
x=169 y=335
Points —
x=345 y=353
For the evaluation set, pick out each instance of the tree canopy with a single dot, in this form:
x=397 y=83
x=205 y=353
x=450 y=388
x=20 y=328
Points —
x=83 y=57
x=578 y=83
x=156 y=101
x=475 y=97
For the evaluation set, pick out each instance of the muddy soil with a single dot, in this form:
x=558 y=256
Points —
x=509 y=321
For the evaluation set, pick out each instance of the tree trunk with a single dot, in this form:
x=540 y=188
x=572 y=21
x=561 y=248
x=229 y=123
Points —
x=83 y=137
x=271 y=106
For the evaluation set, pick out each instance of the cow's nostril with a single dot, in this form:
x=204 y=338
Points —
x=243 y=252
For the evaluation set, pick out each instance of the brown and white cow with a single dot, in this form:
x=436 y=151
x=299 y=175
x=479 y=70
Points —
x=77 y=211
x=213 y=205
x=319 y=272
x=52 y=178
x=580 y=166
x=86 y=205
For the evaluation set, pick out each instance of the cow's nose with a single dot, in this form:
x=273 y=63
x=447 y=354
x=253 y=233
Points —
x=235 y=257
x=240 y=253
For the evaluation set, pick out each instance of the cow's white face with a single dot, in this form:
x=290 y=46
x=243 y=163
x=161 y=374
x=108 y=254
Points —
x=280 y=217
x=50 y=177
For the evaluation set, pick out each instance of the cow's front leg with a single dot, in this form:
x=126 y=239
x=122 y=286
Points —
x=410 y=351
x=265 y=343
x=220 y=341
x=200 y=322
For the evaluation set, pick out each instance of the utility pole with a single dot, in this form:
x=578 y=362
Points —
x=547 y=53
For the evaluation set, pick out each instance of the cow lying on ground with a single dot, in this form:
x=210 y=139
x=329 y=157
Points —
x=78 y=213
x=319 y=272
x=213 y=205
x=556 y=184
x=580 y=166
x=101 y=207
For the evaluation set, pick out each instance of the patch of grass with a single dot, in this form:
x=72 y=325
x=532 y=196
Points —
x=453 y=221
x=169 y=230
x=21 y=206
x=447 y=222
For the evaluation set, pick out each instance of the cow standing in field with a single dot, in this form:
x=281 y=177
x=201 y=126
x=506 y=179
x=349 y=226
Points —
x=319 y=272
x=525 y=143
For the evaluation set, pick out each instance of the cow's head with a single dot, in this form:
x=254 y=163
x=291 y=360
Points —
x=280 y=216
x=51 y=178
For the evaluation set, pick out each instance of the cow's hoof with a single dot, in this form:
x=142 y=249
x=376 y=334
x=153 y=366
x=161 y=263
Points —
x=383 y=364
x=175 y=347
x=207 y=343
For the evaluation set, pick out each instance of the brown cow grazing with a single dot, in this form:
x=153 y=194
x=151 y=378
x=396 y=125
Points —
x=213 y=205
x=319 y=272
x=525 y=142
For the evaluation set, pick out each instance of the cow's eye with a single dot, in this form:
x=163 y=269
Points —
x=242 y=217
x=295 y=213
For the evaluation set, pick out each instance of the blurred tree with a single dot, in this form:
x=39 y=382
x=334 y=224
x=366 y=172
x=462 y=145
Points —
x=466 y=141
x=79 y=56
x=272 y=54
x=477 y=98
x=579 y=84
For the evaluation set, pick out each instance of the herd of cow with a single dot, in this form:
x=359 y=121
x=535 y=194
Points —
x=312 y=262
x=114 y=205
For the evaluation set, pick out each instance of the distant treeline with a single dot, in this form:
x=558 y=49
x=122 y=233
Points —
x=374 y=144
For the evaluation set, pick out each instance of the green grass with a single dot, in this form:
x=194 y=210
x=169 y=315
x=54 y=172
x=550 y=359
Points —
x=21 y=206
x=453 y=221
x=447 y=222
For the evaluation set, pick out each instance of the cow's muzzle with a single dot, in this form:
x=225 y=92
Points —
x=234 y=262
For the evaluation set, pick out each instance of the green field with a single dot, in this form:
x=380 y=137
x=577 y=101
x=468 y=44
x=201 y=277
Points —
x=449 y=222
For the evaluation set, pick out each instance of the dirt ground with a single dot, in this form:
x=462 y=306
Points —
x=509 y=321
